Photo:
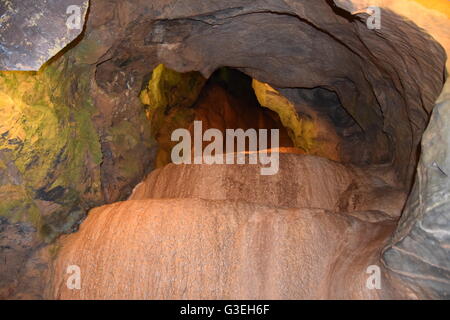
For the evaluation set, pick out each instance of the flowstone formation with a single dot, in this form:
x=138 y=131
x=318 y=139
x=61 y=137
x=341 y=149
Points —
x=232 y=237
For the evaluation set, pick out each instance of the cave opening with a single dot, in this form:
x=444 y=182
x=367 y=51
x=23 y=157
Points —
x=225 y=101
x=312 y=122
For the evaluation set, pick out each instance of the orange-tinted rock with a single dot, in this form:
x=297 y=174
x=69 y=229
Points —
x=302 y=182
x=218 y=109
x=203 y=249
x=225 y=232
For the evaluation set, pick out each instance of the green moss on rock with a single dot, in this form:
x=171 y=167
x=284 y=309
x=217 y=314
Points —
x=169 y=97
x=167 y=89
x=301 y=130
x=46 y=127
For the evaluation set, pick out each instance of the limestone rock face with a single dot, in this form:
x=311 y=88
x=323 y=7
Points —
x=32 y=32
x=24 y=261
x=65 y=148
x=56 y=144
x=430 y=15
x=17 y=241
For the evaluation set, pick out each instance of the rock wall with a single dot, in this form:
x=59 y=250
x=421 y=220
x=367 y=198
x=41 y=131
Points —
x=65 y=147
x=225 y=101
x=119 y=52
x=302 y=181
x=297 y=44
x=50 y=150
x=419 y=252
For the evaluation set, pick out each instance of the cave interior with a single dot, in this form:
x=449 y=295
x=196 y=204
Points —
x=87 y=175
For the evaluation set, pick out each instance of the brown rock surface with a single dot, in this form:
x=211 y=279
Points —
x=23 y=265
x=303 y=181
x=219 y=232
x=419 y=252
x=389 y=89
x=222 y=103
x=203 y=249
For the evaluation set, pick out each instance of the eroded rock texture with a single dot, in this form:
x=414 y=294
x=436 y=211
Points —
x=419 y=252
x=302 y=182
x=65 y=147
x=206 y=241
x=225 y=101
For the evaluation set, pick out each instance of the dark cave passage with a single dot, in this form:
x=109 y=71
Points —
x=310 y=121
x=225 y=101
